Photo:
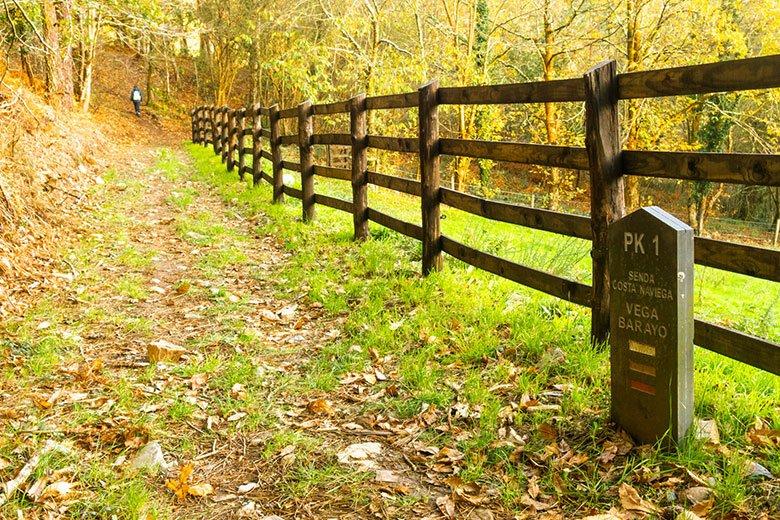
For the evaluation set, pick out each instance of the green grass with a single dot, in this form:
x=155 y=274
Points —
x=465 y=336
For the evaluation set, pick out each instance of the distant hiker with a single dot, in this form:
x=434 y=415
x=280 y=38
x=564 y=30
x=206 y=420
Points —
x=135 y=96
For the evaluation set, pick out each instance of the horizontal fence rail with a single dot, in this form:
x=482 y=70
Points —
x=227 y=132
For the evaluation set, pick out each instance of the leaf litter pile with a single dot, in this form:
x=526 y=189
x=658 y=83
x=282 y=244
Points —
x=172 y=378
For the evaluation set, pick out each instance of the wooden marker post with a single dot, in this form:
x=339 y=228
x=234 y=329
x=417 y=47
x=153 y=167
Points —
x=430 y=177
x=358 y=128
x=240 y=125
x=305 y=129
x=651 y=328
x=602 y=139
x=215 y=133
x=276 y=155
x=257 y=144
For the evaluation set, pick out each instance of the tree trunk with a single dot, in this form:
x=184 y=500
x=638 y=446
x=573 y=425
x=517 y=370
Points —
x=58 y=57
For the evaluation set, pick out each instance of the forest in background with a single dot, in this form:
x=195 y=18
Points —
x=238 y=52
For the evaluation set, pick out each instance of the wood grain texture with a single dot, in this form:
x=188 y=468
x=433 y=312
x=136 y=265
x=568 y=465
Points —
x=393 y=144
x=305 y=131
x=754 y=351
x=330 y=172
x=409 y=186
x=602 y=140
x=257 y=145
x=400 y=226
x=293 y=192
x=734 y=75
x=333 y=202
x=405 y=100
x=276 y=155
x=291 y=166
x=339 y=139
x=288 y=113
x=288 y=140
x=338 y=107
x=533 y=92
x=241 y=142
x=541 y=154
x=358 y=127
x=737 y=168
x=738 y=258
x=544 y=219
x=557 y=286
x=430 y=177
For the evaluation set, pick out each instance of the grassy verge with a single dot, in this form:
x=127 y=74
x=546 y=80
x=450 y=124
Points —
x=477 y=349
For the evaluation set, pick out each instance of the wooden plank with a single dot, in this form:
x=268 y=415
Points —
x=344 y=174
x=546 y=220
x=430 y=177
x=533 y=92
x=338 y=107
x=216 y=132
x=339 y=139
x=248 y=132
x=607 y=205
x=266 y=155
x=754 y=351
x=412 y=187
x=405 y=100
x=746 y=74
x=288 y=113
x=276 y=155
x=572 y=157
x=737 y=168
x=292 y=166
x=305 y=130
x=332 y=202
x=393 y=144
x=358 y=127
x=292 y=192
x=265 y=133
x=738 y=258
x=400 y=226
x=545 y=282
x=267 y=178
x=288 y=140
x=225 y=131
x=246 y=150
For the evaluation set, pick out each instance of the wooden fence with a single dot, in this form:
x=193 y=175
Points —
x=600 y=89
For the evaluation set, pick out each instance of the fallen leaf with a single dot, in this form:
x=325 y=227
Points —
x=246 y=488
x=200 y=490
x=630 y=500
x=447 y=506
x=320 y=407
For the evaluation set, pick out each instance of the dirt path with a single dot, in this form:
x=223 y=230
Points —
x=166 y=261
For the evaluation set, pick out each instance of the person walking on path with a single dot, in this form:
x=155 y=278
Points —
x=135 y=96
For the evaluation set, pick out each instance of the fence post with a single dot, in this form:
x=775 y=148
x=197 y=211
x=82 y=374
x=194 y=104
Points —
x=276 y=154
x=358 y=129
x=305 y=129
x=602 y=141
x=232 y=139
x=208 y=126
x=224 y=132
x=199 y=124
x=241 y=124
x=215 y=130
x=430 y=177
x=257 y=145
x=193 y=122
